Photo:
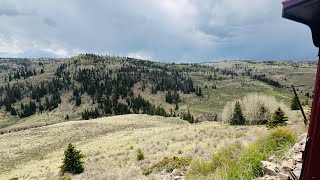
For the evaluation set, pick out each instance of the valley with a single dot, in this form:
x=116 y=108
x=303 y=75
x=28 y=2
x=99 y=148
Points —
x=109 y=107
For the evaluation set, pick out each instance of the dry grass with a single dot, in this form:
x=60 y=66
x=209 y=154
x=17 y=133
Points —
x=110 y=145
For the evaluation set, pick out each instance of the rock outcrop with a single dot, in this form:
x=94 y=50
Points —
x=290 y=166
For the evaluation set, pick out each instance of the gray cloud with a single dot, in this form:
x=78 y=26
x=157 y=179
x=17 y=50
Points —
x=168 y=30
x=9 y=12
x=49 y=22
x=10 y=9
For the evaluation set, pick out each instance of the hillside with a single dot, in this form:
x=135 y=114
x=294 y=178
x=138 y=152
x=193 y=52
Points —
x=48 y=91
x=110 y=145
x=110 y=107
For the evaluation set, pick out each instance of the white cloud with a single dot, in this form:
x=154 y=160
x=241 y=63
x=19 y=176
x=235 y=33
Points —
x=140 y=55
x=11 y=48
x=57 y=52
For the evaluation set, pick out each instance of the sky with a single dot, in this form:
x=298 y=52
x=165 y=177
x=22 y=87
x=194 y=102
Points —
x=160 y=30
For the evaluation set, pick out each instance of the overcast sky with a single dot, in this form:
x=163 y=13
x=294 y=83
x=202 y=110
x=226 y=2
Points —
x=163 y=30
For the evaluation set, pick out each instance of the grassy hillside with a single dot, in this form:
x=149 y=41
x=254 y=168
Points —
x=110 y=145
x=220 y=82
x=53 y=97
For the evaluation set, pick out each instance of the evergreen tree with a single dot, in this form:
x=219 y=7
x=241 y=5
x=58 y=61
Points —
x=295 y=103
x=13 y=111
x=72 y=161
x=177 y=106
x=278 y=119
x=153 y=90
x=188 y=117
x=263 y=115
x=78 y=100
x=237 y=118
x=75 y=92
x=169 y=98
x=199 y=92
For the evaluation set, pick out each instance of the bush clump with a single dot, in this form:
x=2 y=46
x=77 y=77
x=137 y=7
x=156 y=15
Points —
x=237 y=162
x=72 y=161
x=140 y=155
x=169 y=164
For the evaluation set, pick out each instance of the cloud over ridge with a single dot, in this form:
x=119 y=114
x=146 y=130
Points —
x=167 y=30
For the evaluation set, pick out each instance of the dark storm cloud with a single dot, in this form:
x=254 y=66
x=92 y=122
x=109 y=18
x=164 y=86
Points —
x=167 y=30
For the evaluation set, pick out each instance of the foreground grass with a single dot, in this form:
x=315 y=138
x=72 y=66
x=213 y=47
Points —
x=110 y=146
x=238 y=162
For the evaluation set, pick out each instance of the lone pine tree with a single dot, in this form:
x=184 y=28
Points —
x=278 y=119
x=237 y=118
x=72 y=161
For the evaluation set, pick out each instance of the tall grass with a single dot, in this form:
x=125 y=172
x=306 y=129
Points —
x=236 y=162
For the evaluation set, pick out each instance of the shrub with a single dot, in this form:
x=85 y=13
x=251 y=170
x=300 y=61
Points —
x=72 y=161
x=237 y=162
x=65 y=177
x=140 y=155
x=169 y=164
x=307 y=94
x=223 y=157
x=278 y=119
x=237 y=118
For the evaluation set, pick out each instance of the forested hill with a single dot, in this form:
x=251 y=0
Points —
x=37 y=92
x=108 y=81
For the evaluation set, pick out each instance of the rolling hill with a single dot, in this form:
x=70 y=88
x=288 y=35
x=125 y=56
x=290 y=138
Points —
x=110 y=107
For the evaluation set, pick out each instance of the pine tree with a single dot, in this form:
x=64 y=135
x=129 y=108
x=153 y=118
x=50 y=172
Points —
x=295 y=103
x=263 y=115
x=13 y=111
x=177 y=106
x=153 y=90
x=199 y=92
x=169 y=98
x=72 y=161
x=278 y=119
x=237 y=118
x=188 y=117
x=78 y=100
